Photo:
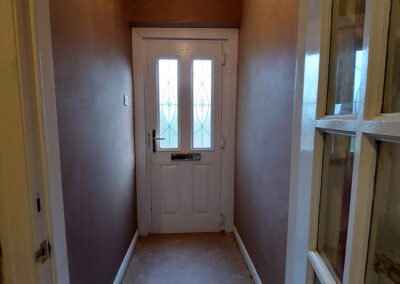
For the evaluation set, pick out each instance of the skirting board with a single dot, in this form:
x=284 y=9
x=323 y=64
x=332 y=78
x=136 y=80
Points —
x=127 y=259
x=247 y=259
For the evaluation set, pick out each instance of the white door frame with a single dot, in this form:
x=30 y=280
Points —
x=230 y=39
x=37 y=92
x=50 y=139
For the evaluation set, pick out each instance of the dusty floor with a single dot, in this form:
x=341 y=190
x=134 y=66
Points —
x=204 y=258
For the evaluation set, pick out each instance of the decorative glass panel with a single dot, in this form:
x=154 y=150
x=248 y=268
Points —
x=384 y=245
x=202 y=104
x=346 y=56
x=335 y=200
x=168 y=103
x=392 y=84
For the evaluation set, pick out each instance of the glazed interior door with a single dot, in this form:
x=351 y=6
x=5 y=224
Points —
x=184 y=104
x=345 y=192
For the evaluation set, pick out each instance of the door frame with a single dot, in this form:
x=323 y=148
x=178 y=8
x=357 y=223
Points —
x=229 y=37
x=36 y=92
x=50 y=140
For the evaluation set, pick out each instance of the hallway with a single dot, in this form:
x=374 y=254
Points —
x=273 y=124
x=143 y=117
x=187 y=258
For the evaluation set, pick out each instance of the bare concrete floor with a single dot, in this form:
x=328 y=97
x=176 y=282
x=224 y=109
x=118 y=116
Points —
x=204 y=258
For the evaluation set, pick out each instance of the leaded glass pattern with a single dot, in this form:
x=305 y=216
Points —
x=168 y=103
x=202 y=104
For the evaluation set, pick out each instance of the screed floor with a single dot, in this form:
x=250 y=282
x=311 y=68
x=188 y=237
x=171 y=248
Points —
x=204 y=258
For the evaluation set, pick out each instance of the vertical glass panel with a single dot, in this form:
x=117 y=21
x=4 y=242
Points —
x=202 y=104
x=335 y=200
x=392 y=84
x=346 y=56
x=384 y=244
x=168 y=103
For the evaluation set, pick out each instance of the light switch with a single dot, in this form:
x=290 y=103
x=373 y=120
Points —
x=126 y=100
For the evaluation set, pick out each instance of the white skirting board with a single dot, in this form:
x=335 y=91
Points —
x=127 y=258
x=247 y=259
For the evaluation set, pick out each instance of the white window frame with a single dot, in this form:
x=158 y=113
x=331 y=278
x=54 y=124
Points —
x=369 y=126
x=229 y=38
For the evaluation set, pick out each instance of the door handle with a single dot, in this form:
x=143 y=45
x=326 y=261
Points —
x=155 y=139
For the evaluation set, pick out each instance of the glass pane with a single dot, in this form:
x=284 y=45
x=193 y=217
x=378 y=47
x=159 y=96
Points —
x=392 y=84
x=346 y=56
x=202 y=104
x=384 y=245
x=335 y=200
x=168 y=103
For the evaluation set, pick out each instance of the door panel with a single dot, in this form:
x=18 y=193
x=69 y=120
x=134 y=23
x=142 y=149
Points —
x=184 y=104
x=201 y=189
x=170 y=189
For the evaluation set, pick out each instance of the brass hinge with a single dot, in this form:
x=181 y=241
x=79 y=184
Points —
x=43 y=253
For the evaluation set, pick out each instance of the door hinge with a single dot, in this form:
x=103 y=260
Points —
x=223 y=59
x=222 y=222
x=43 y=253
x=223 y=143
x=38 y=204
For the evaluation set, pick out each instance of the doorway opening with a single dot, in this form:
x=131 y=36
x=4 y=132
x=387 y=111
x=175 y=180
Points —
x=185 y=102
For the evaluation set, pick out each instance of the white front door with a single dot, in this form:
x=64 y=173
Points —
x=184 y=106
